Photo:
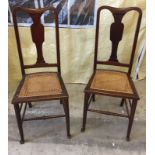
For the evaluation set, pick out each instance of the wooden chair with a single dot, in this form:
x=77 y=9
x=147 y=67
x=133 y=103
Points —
x=39 y=86
x=110 y=82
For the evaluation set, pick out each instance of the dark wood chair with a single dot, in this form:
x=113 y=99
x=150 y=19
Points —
x=39 y=86
x=111 y=82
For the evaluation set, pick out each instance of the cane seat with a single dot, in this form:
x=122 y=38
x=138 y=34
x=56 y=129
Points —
x=111 y=81
x=40 y=84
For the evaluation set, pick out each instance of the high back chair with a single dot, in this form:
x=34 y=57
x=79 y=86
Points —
x=111 y=82
x=39 y=86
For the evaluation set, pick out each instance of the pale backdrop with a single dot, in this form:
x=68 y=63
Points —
x=77 y=46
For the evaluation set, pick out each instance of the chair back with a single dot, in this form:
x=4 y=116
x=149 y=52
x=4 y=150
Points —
x=37 y=33
x=116 y=33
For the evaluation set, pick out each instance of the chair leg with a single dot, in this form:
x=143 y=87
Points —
x=19 y=123
x=93 y=97
x=66 y=109
x=122 y=102
x=30 y=104
x=131 y=118
x=61 y=102
x=85 y=108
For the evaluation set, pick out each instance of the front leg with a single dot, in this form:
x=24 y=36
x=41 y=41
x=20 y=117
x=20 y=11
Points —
x=19 y=122
x=66 y=110
x=131 y=118
x=85 y=108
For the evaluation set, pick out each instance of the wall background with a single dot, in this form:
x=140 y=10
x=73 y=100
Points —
x=77 y=46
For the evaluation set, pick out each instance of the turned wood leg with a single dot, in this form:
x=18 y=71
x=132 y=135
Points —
x=131 y=118
x=66 y=109
x=19 y=122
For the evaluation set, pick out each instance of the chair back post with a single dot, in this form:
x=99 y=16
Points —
x=37 y=33
x=135 y=39
x=116 y=34
x=57 y=41
x=96 y=39
x=18 y=41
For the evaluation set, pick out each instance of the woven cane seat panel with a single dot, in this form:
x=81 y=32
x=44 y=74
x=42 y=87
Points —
x=111 y=81
x=41 y=84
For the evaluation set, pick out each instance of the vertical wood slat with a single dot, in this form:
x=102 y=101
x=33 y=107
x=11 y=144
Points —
x=37 y=32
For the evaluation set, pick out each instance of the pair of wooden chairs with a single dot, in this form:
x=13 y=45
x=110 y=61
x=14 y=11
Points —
x=44 y=86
